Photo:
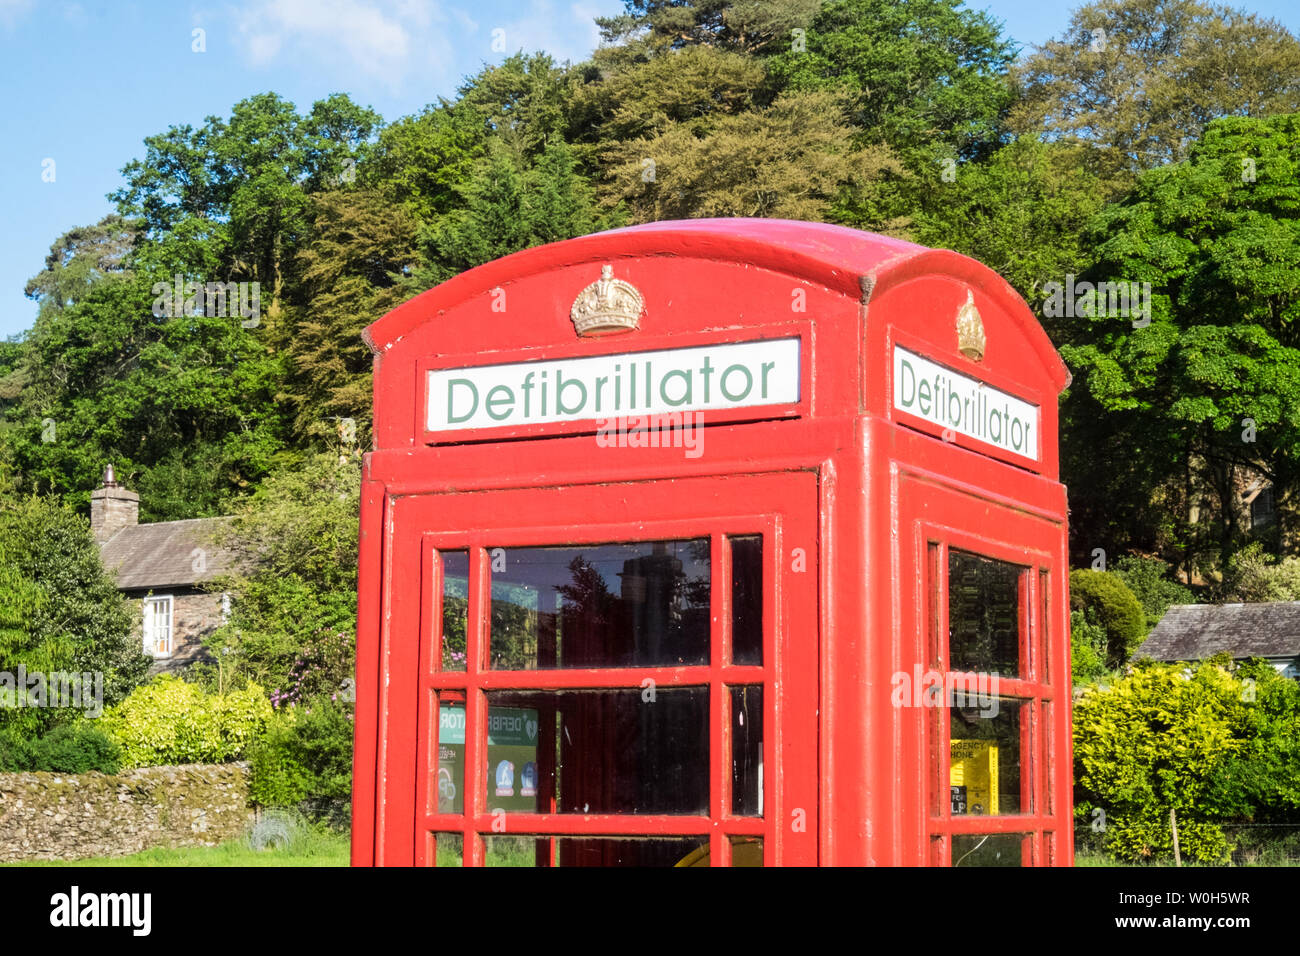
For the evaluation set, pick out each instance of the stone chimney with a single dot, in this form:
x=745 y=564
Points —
x=112 y=508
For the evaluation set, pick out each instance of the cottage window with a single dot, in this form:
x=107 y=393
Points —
x=158 y=626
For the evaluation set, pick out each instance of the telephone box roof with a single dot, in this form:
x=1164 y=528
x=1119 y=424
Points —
x=854 y=263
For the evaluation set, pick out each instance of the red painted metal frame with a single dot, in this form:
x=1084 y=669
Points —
x=788 y=674
x=874 y=488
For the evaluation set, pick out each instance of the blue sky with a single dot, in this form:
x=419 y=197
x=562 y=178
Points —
x=83 y=83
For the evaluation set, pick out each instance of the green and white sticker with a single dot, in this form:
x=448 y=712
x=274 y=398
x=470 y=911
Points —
x=729 y=375
x=963 y=404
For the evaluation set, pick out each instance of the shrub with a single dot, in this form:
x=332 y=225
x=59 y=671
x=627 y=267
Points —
x=76 y=747
x=1106 y=601
x=1087 y=648
x=169 y=721
x=1155 y=740
x=304 y=754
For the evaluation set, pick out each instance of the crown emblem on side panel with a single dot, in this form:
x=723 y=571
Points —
x=970 y=329
x=607 y=305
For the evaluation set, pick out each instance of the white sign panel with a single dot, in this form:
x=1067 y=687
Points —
x=966 y=405
x=728 y=375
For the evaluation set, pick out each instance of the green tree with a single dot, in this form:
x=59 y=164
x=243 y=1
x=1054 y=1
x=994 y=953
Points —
x=793 y=160
x=296 y=575
x=1209 y=390
x=1149 y=580
x=108 y=381
x=1142 y=79
x=59 y=609
x=354 y=269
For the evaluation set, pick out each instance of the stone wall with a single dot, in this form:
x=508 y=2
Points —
x=56 y=816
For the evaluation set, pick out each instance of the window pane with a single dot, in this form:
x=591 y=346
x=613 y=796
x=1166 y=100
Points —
x=992 y=849
x=611 y=751
x=747 y=750
x=614 y=605
x=455 y=608
x=593 y=851
x=451 y=758
x=747 y=600
x=450 y=849
x=983 y=614
x=984 y=772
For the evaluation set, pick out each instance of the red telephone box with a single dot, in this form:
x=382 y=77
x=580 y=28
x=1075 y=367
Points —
x=714 y=542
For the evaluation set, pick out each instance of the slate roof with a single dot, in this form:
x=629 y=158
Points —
x=1192 y=632
x=161 y=555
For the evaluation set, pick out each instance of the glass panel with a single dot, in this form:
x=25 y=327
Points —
x=450 y=849
x=746 y=851
x=983 y=614
x=455 y=608
x=747 y=750
x=451 y=757
x=613 y=605
x=1043 y=639
x=990 y=849
x=595 y=851
x=747 y=600
x=611 y=751
x=984 y=774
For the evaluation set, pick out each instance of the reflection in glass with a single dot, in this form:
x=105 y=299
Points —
x=747 y=750
x=599 y=751
x=989 y=849
x=455 y=608
x=614 y=605
x=747 y=600
x=985 y=758
x=451 y=758
x=983 y=614
x=590 y=851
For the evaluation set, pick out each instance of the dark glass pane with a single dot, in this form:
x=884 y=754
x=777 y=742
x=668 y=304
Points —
x=455 y=608
x=747 y=600
x=747 y=750
x=594 y=851
x=992 y=849
x=615 y=605
x=983 y=614
x=985 y=758
x=610 y=751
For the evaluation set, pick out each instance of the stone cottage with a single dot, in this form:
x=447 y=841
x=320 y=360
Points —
x=161 y=567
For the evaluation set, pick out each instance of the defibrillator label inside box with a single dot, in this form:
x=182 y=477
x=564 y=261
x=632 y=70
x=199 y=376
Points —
x=965 y=405
x=724 y=376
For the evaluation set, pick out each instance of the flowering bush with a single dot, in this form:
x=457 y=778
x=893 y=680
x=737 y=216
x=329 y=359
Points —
x=322 y=668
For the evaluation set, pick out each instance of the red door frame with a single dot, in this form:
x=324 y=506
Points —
x=937 y=513
x=782 y=507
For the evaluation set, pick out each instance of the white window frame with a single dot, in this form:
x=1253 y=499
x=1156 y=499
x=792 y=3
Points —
x=150 y=634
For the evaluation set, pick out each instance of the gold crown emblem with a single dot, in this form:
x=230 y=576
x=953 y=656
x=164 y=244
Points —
x=970 y=329
x=607 y=305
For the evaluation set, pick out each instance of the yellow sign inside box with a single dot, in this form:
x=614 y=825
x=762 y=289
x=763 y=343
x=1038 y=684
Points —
x=973 y=777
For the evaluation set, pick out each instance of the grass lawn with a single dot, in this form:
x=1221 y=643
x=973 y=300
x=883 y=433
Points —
x=307 y=848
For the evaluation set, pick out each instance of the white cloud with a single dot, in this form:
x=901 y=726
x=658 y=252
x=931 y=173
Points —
x=384 y=41
x=11 y=11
